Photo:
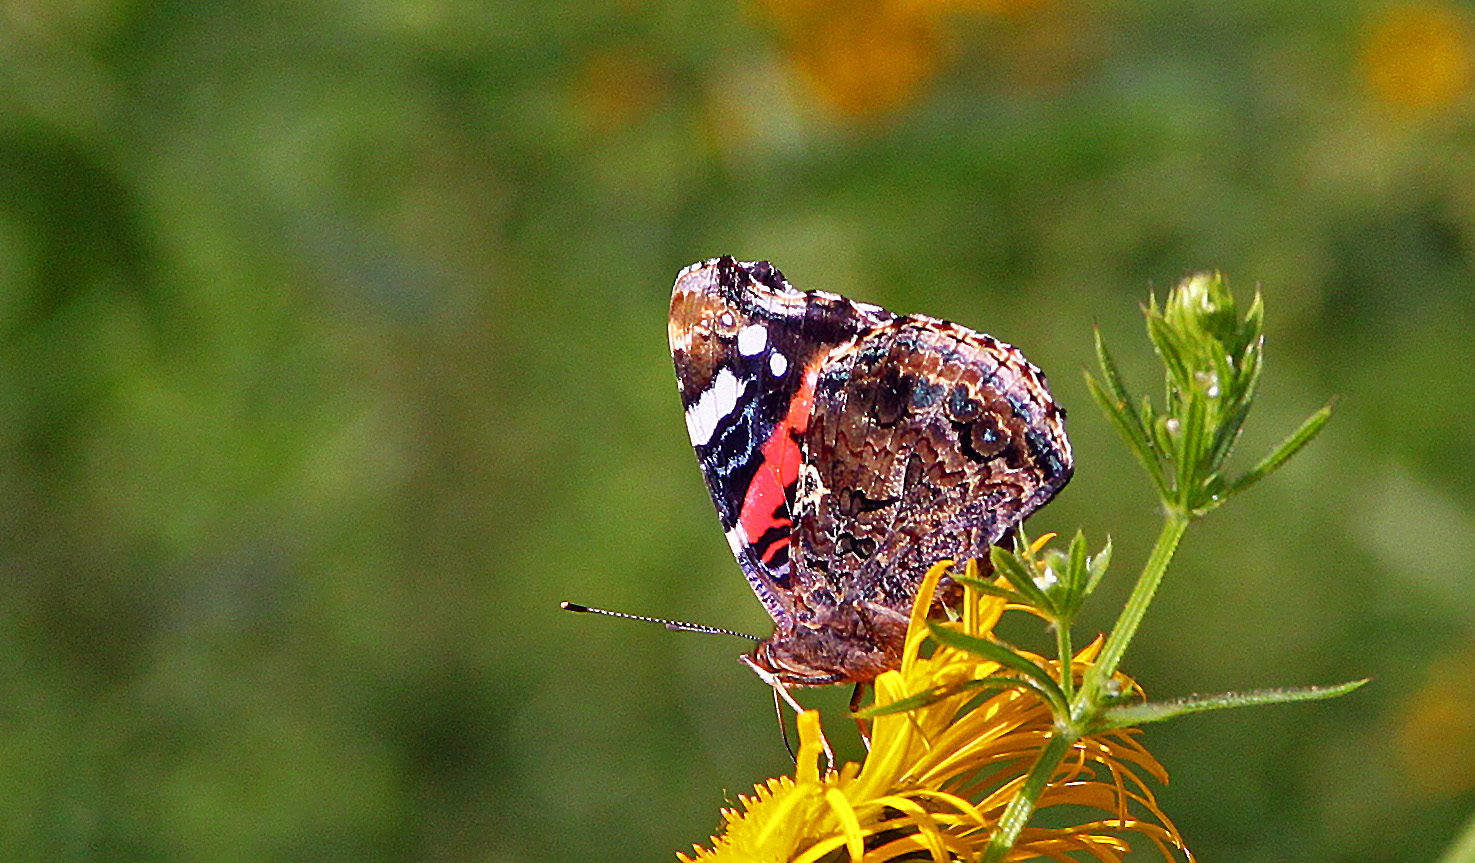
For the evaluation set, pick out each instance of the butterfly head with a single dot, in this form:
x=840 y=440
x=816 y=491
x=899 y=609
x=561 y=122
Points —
x=849 y=643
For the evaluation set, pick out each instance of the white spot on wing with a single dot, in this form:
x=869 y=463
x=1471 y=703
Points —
x=693 y=425
x=714 y=404
x=736 y=541
x=752 y=339
x=778 y=364
x=810 y=489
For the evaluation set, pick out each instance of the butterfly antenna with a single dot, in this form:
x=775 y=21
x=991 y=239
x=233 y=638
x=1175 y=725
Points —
x=674 y=625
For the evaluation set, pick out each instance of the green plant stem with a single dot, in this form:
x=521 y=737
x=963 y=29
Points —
x=1086 y=704
x=1088 y=700
x=1066 y=653
x=1017 y=813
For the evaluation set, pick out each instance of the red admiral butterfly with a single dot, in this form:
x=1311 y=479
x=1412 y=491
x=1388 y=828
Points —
x=847 y=450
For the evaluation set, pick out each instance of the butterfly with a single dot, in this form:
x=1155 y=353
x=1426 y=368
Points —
x=847 y=450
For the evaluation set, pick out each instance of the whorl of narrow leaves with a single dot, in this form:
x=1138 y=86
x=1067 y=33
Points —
x=1212 y=358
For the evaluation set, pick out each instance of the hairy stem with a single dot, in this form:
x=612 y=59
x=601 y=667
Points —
x=1087 y=701
x=1064 y=649
x=1017 y=813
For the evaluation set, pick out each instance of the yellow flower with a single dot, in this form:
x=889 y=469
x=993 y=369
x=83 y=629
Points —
x=939 y=776
x=1420 y=56
x=1434 y=731
x=870 y=57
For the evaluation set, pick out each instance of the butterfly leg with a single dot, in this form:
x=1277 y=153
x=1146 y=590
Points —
x=782 y=691
x=783 y=728
x=863 y=724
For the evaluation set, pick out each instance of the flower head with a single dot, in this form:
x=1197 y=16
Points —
x=953 y=739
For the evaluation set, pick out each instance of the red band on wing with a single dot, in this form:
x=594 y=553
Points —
x=765 y=508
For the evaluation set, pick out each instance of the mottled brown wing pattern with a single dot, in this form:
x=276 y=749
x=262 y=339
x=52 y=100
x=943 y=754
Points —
x=928 y=441
x=928 y=438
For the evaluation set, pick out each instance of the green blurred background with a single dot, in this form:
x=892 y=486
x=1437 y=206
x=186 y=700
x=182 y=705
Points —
x=334 y=357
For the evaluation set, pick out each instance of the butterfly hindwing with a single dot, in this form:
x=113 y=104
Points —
x=930 y=441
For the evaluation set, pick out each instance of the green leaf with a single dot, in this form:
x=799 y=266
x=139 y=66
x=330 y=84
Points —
x=985 y=649
x=1251 y=361
x=1076 y=571
x=1191 y=445
x=1098 y=566
x=1253 y=328
x=1128 y=426
x=1140 y=714
x=1110 y=374
x=1112 y=397
x=1163 y=441
x=1170 y=348
x=935 y=694
x=1211 y=495
x=1282 y=453
x=991 y=589
x=1228 y=431
x=1017 y=571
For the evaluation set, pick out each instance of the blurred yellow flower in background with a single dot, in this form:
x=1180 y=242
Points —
x=866 y=58
x=620 y=85
x=1419 y=56
x=1435 y=729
